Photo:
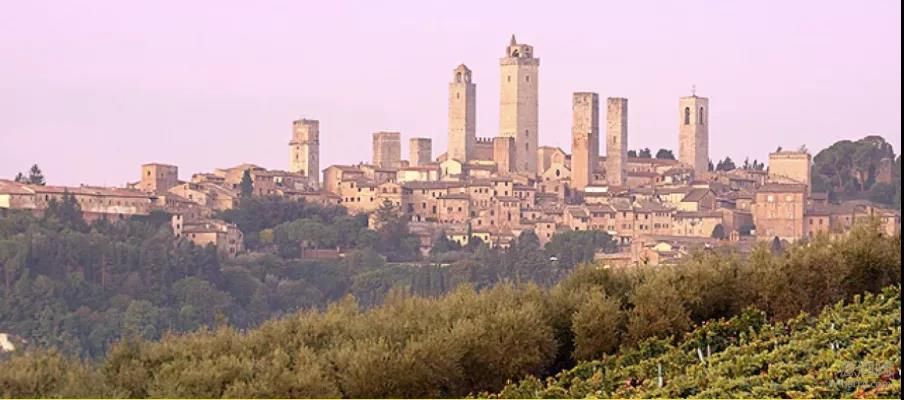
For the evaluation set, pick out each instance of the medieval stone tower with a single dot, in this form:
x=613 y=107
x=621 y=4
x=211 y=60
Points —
x=616 y=140
x=304 y=150
x=585 y=138
x=518 y=104
x=462 y=115
x=387 y=150
x=420 y=151
x=693 y=133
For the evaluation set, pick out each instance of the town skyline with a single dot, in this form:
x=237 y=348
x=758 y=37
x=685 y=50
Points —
x=399 y=90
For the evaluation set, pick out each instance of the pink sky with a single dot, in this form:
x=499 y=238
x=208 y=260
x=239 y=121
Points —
x=89 y=90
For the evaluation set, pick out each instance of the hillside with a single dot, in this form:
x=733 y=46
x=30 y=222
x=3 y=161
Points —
x=847 y=350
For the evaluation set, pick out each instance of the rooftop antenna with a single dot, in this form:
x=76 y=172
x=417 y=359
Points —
x=694 y=90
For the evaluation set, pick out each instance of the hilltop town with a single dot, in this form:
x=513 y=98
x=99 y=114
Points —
x=658 y=207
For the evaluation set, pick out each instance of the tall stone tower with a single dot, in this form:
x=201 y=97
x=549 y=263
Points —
x=585 y=138
x=387 y=150
x=693 y=133
x=616 y=140
x=462 y=115
x=518 y=106
x=420 y=151
x=304 y=150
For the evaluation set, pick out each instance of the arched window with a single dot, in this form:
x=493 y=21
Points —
x=700 y=118
x=687 y=115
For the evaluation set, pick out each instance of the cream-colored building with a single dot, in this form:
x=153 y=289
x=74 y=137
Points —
x=227 y=237
x=790 y=167
x=778 y=211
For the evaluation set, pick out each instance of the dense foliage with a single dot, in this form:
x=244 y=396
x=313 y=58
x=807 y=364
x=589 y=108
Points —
x=471 y=340
x=849 y=350
x=79 y=288
x=850 y=170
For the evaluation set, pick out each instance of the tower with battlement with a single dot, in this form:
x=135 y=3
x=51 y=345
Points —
x=518 y=104
x=304 y=150
x=693 y=133
x=462 y=115
x=616 y=140
x=585 y=138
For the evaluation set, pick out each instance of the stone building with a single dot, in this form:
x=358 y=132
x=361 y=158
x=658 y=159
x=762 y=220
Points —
x=790 y=167
x=547 y=156
x=95 y=202
x=158 y=178
x=304 y=150
x=616 y=140
x=504 y=154
x=420 y=151
x=462 y=115
x=585 y=138
x=518 y=108
x=778 y=211
x=693 y=133
x=227 y=237
x=387 y=151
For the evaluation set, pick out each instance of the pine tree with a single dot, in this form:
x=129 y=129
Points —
x=247 y=185
x=35 y=176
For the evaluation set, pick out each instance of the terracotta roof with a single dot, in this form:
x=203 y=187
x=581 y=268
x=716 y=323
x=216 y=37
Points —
x=13 y=187
x=456 y=196
x=782 y=188
x=696 y=194
x=698 y=214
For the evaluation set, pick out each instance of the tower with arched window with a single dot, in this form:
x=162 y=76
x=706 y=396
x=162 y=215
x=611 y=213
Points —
x=518 y=104
x=693 y=133
x=462 y=115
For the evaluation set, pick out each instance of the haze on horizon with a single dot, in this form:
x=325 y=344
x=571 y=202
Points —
x=90 y=91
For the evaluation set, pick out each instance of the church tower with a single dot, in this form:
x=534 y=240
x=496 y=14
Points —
x=304 y=150
x=585 y=138
x=518 y=106
x=462 y=115
x=693 y=133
